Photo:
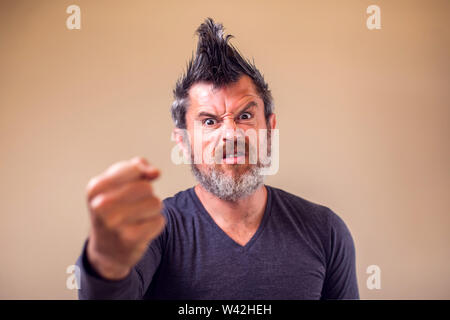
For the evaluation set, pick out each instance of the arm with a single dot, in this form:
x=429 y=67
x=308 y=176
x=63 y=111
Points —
x=340 y=280
x=94 y=286
x=126 y=226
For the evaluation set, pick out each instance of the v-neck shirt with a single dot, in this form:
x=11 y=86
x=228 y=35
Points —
x=202 y=210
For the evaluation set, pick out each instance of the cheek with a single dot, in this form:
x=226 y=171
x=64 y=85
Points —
x=208 y=150
x=210 y=138
x=207 y=145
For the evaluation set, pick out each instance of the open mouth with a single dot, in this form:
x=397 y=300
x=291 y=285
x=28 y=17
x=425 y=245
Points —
x=234 y=155
x=233 y=158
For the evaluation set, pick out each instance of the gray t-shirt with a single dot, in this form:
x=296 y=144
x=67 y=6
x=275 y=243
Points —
x=301 y=250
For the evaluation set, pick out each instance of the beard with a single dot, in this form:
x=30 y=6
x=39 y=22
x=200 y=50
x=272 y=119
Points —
x=243 y=181
x=239 y=185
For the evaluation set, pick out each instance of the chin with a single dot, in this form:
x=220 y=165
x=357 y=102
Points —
x=235 y=168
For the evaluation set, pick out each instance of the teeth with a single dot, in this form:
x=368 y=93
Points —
x=234 y=155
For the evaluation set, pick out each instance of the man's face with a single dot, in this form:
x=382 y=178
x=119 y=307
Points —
x=221 y=118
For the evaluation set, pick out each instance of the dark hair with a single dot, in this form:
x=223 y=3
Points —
x=217 y=62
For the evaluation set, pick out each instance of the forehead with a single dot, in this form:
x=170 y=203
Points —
x=203 y=95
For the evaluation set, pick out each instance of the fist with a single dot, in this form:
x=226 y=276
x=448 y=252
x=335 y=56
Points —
x=125 y=216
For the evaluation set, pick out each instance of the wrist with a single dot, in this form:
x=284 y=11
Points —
x=104 y=266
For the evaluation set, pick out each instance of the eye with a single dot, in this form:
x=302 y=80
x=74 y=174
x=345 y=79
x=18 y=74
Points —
x=245 y=116
x=209 y=122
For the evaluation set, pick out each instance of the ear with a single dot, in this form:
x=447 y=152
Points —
x=272 y=121
x=180 y=136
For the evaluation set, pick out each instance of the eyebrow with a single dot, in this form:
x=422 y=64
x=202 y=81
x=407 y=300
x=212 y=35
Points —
x=247 y=106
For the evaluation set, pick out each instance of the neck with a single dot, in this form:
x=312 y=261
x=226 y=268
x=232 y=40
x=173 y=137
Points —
x=246 y=211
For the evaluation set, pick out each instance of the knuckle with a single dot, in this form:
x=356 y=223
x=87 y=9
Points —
x=100 y=203
x=137 y=166
x=91 y=184
x=115 y=167
x=139 y=160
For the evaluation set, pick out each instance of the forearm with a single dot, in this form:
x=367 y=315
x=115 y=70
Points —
x=94 y=287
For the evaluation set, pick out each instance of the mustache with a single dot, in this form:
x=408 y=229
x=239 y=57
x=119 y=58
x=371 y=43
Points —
x=216 y=152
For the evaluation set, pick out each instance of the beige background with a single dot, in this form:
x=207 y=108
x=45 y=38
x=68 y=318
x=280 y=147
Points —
x=363 y=117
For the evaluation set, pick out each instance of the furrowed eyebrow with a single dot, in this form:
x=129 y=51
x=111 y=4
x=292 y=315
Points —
x=206 y=114
x=210 y=115
x=248 y=106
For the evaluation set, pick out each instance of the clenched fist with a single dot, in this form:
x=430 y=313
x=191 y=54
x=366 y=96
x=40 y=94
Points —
x=125 y=216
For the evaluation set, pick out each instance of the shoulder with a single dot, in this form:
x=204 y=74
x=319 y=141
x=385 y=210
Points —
x=180 y=206
x=300 y=208
x=178 y=210
x=179 y=200
x=317 y=222
x=309 y=215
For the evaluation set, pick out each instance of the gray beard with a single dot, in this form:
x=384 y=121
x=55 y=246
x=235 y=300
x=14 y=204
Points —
x=228 y=187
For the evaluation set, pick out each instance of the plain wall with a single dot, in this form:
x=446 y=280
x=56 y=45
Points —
x=363 y=117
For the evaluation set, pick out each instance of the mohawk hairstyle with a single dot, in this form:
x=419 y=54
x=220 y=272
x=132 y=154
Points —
x=217 y=62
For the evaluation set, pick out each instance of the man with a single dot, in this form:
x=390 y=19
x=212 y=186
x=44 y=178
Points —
x=229 y=237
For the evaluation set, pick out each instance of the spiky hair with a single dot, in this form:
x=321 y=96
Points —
x=217 y=62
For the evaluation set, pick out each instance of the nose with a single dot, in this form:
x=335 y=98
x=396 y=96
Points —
x=229 y=128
